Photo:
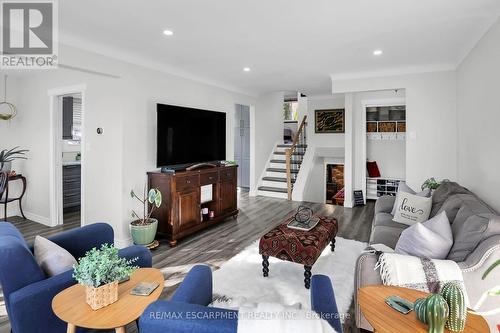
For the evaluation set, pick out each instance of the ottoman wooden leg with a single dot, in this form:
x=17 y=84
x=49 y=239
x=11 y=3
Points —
x=265 y=266
x=332 y=245
x=307 y=276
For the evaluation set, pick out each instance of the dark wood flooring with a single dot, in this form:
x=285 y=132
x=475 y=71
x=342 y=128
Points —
x=219 y=243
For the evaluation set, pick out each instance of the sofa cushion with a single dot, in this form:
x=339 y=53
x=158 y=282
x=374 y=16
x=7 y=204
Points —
x=387 y=235
x=385 y=219
x=402 y=187
x=384 y=204
x=469 y=230
x=52 y=258
x=431 y=239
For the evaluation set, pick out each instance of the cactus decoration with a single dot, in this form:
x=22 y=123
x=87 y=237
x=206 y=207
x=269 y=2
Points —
x=420 y=307
x=437 y=313
x=453 y=294
x=432 y=310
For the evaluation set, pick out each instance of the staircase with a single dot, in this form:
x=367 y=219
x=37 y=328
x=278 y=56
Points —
x=284 y=167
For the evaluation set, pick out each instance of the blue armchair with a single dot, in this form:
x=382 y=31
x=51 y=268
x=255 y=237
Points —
x=187 y=311
x=28 y=293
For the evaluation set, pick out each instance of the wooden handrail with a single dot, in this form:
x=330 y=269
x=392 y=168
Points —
x=289 y=153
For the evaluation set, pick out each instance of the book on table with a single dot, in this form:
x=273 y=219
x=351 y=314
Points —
x=303 y=226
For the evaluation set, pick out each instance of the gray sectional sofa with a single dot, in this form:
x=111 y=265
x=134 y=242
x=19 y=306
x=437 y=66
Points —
x=476 y=233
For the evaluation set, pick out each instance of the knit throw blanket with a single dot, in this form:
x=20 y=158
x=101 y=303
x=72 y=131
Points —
x=428 y=275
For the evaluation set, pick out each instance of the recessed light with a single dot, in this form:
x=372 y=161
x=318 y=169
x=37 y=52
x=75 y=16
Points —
x=246 y=69
x=378 y=52
x=168 y=32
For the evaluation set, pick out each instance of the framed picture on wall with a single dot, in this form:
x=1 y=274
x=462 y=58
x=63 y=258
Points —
x=329 y=121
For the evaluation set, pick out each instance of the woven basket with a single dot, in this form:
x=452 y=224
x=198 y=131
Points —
x=103 y=296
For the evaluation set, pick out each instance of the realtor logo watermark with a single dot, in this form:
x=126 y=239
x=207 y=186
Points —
x=29 y=34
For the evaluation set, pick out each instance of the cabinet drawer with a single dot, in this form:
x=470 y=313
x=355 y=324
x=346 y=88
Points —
x=228 y=174
x=209 y=178
x=187 y=182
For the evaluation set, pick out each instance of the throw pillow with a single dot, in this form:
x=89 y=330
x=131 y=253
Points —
x=432 y=239
x=426 y=193
x=372 y=169
x=52 y=258
x=412 y=208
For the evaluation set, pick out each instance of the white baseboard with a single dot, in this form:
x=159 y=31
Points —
x=39 y=219
x=122 y=243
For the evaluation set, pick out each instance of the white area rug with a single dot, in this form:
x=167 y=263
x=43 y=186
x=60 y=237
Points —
x=241 y=280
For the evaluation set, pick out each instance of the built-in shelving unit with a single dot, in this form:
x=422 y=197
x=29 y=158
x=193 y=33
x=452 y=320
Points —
x=386 y=123
x=377 y=187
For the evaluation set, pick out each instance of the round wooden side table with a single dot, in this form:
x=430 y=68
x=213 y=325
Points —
x=384 y=319
x=70 y=305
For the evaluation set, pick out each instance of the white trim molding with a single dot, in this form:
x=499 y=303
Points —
x=39 y=219
x=55 y=167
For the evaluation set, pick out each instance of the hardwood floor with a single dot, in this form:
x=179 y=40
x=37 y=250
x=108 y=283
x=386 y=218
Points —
x=216 y=245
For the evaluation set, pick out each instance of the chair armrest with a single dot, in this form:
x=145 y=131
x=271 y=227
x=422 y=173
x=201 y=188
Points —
x=31 y=306
x=179 y=317
x=384 y=204
x=323 y=301
x=365 y=275
x=145 y=259
x=196 y=287
x=80 y=240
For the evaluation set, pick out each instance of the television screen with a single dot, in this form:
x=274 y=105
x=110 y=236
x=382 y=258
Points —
x=188 y=136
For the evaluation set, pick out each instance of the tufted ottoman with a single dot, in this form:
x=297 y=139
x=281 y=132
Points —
x=301 y=247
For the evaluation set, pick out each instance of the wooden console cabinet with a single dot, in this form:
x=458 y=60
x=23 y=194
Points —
x=180 y=212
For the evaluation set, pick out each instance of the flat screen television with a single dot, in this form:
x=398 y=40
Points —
x=187 y=136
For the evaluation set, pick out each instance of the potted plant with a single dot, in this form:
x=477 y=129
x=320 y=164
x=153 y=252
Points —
x=143 y=229
x=9 y=155
x=99 y=271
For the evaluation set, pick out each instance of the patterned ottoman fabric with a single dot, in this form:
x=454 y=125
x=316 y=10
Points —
x=301 y=247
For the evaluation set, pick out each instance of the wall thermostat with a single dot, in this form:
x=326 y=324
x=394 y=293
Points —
x=99 y=130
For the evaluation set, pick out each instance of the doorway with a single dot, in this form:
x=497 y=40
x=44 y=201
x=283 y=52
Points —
x=242 y=144
x=67 y=155
x=71 y=157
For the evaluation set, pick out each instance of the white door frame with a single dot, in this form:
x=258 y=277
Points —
x=55 y=166
x=399 y=101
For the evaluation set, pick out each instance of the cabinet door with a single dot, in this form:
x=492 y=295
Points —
x=189 y=209
x=228 y=196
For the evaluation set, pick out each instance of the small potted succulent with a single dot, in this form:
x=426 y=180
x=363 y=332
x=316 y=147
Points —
x=9 y=155
x=99 y=271
x=143 y=229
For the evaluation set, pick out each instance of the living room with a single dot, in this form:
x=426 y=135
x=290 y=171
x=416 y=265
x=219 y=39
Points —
x=439 y=62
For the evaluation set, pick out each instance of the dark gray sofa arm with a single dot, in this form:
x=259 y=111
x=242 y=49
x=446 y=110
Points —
x=365 y=275
x=384 y=204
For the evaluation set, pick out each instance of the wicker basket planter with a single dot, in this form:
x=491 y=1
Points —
x=103 y=296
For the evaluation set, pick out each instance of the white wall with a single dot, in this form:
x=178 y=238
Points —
x=478 y=91
x=431 y=143
x=310 y=185
x=5 y=128
x=267 y=131
x=321 y=103
x=390 y=156
x=125 y=108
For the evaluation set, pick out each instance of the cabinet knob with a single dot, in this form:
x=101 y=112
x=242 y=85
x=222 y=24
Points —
x=188 y=181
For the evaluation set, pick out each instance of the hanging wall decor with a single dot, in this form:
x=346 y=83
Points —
x=7 y=110
x=329 y=121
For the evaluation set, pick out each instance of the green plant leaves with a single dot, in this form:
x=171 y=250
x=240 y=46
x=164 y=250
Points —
x=154 y=196
x=495 y=264
x=102 y=266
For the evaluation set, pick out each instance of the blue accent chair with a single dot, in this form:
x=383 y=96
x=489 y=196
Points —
x=28 y=293
x=187 y=311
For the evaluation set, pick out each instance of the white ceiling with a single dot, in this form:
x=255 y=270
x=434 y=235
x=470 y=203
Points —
x=289 y=44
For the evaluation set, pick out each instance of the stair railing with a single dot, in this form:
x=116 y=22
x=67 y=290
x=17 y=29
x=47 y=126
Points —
x=294 y=156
